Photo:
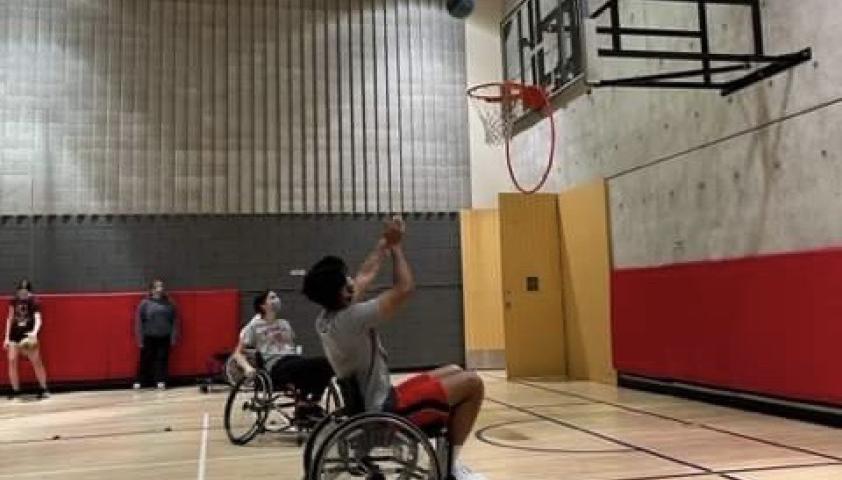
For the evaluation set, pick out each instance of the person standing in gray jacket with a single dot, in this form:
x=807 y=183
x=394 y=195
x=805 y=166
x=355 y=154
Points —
x=156 y=330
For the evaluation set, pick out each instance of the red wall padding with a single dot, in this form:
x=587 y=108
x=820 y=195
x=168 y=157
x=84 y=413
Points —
x=770 y=325
x=90 y=337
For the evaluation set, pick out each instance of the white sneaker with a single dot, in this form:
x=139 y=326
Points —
x=162 y=386
x=462 y=472
x=136 y=386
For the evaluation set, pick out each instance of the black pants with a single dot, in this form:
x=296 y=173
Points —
x=309 y=375
x=154 y=359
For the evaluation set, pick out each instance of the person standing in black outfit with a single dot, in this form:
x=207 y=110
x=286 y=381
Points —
x=22 y=326
x=156 y=330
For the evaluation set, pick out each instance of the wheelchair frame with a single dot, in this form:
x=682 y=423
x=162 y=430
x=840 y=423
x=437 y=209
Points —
x=335 y=427
x=264 y=400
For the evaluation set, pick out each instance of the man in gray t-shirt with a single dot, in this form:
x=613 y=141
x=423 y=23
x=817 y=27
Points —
x=349 y=340
x=348 y=326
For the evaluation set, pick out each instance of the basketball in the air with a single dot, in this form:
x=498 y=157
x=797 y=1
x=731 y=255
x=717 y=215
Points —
x=460 y=8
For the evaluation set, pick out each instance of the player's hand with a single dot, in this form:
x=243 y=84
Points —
x=6 y=344
x=394 y=231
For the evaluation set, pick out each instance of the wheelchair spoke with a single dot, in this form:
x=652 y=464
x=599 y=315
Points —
x=377 y=448
x=244 y=410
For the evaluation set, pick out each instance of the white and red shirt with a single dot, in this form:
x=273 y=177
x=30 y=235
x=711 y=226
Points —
x=273 y=339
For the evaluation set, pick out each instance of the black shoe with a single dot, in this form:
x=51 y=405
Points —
x=11 y=396
x=43 y=394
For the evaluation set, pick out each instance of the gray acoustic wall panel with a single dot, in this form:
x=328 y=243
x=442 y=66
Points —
x=224 y=106
x=251 y=253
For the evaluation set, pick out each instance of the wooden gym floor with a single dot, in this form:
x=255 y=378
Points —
x=530 y=430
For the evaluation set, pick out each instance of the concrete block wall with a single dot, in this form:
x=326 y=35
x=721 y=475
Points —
x=251 y=253
x=694 y=176
x=215 y=106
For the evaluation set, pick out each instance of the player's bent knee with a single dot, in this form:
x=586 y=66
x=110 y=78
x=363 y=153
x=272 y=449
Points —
x=476 y=383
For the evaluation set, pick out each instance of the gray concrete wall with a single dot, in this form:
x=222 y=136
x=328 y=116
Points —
x=247 y=106
x=695 y=176
x=250 y=253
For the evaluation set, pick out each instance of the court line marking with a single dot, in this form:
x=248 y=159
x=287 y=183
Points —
x=483 y=436
x=203 y=449
x=138 y=402
x=738 y=471
x=771 y=443
x=139 y=465
x=94 y=436
x=703 y=471
x=275 y=454
x=561 y=404
x=617 y=441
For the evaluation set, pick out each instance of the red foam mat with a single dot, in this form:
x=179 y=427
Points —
x=770 y=324
x=90 y=337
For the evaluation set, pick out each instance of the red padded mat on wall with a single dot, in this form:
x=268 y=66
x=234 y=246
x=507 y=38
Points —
x=768 y=324
x=89 y=337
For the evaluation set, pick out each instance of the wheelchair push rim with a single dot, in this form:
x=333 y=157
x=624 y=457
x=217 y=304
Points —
x=246 y=409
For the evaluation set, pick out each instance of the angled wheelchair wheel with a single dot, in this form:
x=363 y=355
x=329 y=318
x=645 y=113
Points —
x=247 y=408
x=318 y=435
x=375 y=446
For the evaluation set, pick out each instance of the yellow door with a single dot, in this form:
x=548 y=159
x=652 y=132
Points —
x=531 y=283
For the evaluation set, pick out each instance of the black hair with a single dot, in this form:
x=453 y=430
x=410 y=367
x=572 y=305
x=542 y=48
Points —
x=324 y=281
x=259 y=300
x=25 y=284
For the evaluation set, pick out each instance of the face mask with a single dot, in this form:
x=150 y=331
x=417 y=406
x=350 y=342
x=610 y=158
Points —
x=275 y=303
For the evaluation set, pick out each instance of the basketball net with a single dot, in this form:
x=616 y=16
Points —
x=498 y=105
x=495 y=120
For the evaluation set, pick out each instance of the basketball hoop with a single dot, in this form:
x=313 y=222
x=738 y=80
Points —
x=498 y=104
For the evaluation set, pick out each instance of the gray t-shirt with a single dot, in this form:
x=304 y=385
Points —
x=273 y=340
x=347 y=337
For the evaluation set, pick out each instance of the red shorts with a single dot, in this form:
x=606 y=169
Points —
x=419 y=391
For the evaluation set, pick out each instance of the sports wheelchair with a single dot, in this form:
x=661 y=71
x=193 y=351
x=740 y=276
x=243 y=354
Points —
x=256 y=406
x=350 y=443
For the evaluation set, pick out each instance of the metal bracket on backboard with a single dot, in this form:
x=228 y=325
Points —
x=759 y=65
